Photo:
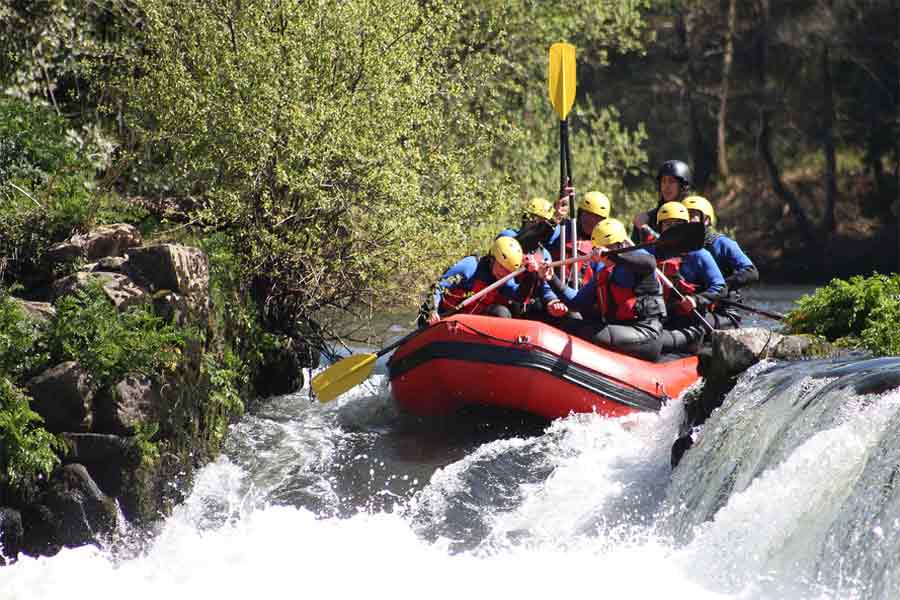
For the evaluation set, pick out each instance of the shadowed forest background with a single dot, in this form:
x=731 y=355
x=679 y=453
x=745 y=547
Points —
x=336 y=156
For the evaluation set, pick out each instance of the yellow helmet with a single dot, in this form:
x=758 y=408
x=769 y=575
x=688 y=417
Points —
x=508 y=252
x=595 y=203
x=672 y=210
x=608 y=231
x=702 y=204
x=539 y=207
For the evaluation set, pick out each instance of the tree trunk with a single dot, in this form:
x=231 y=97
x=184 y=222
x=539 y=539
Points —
x=897 y=128
x=701 y=152
x=828 y=223
x=727 y=58
x=765 y=112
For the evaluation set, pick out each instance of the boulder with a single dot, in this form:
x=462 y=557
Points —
x=736 y=350
x=83 y=513
x=106 y=240
x=37 y=311
x=62 y=395
x=119 y=409
x=119 y=288
x=179 y=269
x=108 y=458
x=11 y=534
x=113 y=264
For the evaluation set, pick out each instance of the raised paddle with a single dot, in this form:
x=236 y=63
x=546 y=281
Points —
x=752 y=309
x=349 y=372
x=561 y=87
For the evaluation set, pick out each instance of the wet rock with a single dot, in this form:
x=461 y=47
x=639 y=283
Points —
x=11 y=534
x=37 y=311
x=40 y=527
x=129 y=403
x=109 y=459
x=733 y=352
x=83 y=512
x=62 y=395
x=106 y=240
x=119 y=288
x=280 y=370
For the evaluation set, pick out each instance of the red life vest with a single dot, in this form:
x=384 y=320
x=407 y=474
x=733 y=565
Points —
x=584 y=248
x=456 y=294
x=670 y=268
x=615 y=302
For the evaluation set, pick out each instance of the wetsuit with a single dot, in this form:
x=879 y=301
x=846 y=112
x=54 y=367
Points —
x=695 y=274
x=622 y=304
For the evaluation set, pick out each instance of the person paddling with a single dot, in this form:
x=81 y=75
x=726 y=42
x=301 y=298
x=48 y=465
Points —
x=673 y=182
x=534 y=298
x=622 y=305
x=593 y=207
x=696 y=276
x=472 y=274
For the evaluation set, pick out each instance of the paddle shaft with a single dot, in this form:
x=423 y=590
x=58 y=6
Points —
x=455 y=309
x=661 y=276
x=753 y=309
x=565 y=177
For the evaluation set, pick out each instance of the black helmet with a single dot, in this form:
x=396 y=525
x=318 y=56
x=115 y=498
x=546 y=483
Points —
x=676 y=169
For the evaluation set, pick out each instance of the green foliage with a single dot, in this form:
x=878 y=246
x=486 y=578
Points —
x=226 y=376
x=109 y=344
x=860 y=312
x=21 y=352
x=347 y=150
x=27 y=450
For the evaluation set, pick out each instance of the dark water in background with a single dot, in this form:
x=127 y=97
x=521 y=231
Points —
x=790 y=492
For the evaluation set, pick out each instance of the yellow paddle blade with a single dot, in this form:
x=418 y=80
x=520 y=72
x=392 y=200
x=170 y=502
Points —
x=561 y=78
x=343 y=375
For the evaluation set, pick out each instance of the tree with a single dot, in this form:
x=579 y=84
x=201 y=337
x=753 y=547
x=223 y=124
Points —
x=347 y=150
x=722 y=121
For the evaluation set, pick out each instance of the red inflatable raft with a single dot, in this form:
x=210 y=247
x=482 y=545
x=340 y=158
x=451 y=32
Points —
x=529 y=366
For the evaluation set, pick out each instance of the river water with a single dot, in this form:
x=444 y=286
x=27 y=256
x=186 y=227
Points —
x=789 y=492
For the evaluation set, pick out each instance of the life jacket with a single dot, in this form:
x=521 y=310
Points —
x=615 y=301
x=529 y=279
x=456 y=294
x=584 y=248
x=671 y=267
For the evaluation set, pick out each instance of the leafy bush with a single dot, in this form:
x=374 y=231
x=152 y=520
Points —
x=109 y=344
x=21 y=347
x=861 y=312
x=27 y=450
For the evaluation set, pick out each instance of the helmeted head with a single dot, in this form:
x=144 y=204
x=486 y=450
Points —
x=671 y=214
x=595 y=203
x=608 y=232
x=673 y=180
x=593 y=207
x=700 y=209
x=507 y=253
x=538 y=208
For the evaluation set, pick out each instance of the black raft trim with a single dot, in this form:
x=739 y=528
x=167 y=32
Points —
x=530 y=358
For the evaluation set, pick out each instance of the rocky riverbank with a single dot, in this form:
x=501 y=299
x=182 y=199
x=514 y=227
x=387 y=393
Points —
x=731 y=353
x=129 y=437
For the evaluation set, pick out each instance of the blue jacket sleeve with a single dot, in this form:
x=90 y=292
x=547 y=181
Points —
x=731 y=254
x=459 y=274
x=710 y=275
